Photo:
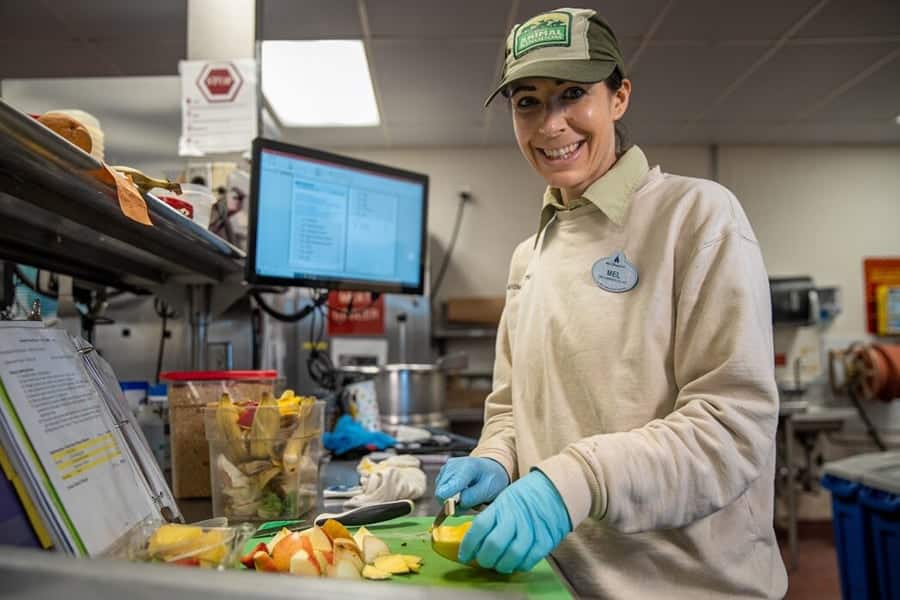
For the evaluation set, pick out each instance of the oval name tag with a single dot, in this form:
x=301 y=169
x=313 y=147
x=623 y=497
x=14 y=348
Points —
x=614 y=273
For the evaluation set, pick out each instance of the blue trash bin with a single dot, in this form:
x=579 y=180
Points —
x=865 y=500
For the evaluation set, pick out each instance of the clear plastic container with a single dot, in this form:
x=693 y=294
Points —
x=194 y=202
x=211 y=544
x=189 y=394
x=264 y=457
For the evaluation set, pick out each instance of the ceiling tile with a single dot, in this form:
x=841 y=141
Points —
x=714 y=20
x=418 y=80
x=856 y=18
x=27 y=21
x=677 y=83
x=628 y=18
x=438 y=19
x=876 y=97
x=795 y=79
x=310 y=20
x=118 y=19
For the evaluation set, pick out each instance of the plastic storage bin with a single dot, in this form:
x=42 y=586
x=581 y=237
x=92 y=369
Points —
x=189 y=393
x=264 y=456
x=865 y=496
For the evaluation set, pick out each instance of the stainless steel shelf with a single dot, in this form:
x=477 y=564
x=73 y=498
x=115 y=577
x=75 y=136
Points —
x=56 y=216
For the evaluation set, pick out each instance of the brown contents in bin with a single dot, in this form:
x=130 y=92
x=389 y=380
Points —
x=190 y=451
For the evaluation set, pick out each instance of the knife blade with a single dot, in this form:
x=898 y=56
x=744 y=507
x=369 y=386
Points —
x=447 y=510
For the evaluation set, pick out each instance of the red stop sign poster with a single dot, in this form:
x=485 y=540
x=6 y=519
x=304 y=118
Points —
x=354 y=313
x=220 y=82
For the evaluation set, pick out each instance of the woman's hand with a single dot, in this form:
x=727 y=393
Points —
x=479 y=480
x=522 y=526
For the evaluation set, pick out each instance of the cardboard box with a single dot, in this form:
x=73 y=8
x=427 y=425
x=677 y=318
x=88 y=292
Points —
x=475 y=311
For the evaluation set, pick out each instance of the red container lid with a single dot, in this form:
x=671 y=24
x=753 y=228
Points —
x=216 y=375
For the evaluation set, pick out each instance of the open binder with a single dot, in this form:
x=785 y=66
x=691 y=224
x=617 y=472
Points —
x=83 y=472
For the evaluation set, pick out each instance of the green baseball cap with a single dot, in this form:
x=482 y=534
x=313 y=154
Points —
x=573 y=44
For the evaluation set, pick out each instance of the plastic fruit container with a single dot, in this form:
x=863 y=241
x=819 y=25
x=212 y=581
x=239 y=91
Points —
x=210 y=544
x=264 y=456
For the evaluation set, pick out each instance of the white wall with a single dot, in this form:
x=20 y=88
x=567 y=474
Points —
x=506 y=208
x=817 y=210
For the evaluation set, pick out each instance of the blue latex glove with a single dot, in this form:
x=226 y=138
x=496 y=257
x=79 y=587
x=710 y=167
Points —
x=522 y=526
x=479 y=480
x=348 y=434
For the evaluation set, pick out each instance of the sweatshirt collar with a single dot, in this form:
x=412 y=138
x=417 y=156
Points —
x=611 y=193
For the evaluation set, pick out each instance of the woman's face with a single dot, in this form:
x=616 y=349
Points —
x=566 y=130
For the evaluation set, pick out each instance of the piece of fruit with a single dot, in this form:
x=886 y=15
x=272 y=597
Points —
x=392 y=563
x=247 y=559
x=319 y=539
x=349 y=545
x=370 y=572
x=270 y=545
x=263 y=562
x=344 y=552
x=303 y=563
x=335 y=530
x=345 y=569
x=191 y=561
x=174 y=537
x=361 y=533
x=214 y=544
x=287 y=547
x=373 y=548
x=412 y=561
x=445 y=540
x=323 y=558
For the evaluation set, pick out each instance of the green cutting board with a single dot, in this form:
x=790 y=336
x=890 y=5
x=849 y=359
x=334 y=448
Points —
x=410 y=535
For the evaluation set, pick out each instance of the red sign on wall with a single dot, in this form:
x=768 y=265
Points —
x=220 y=82
x=354 y=313
x=878 y=271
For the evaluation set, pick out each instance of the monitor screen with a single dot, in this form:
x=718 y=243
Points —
x=327 y=221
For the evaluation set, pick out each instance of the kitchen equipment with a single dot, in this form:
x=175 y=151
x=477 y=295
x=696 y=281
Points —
x=447 y=510
x=363 y=515
x=411 y=394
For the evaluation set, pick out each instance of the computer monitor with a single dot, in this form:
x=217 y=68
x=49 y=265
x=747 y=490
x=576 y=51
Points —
x=321 y=220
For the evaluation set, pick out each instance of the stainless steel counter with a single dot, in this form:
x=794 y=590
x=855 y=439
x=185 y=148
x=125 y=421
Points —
x=43 y=575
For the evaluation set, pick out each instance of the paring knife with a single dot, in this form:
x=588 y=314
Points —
x=447 y=510
x=363 y=515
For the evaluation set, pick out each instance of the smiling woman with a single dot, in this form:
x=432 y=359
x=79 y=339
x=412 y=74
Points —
x=630 y=430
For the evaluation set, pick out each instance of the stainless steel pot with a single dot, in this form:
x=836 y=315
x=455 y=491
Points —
x=412 y=394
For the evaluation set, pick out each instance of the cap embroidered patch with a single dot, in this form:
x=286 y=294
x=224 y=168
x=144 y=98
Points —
x=614 y=273
x=548 y=29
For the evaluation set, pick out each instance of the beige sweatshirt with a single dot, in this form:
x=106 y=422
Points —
x=653 y=410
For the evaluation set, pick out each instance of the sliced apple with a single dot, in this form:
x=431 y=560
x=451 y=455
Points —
x=392 y=563
x=322 y=558
x=349 y=545
x=270 y=545
x=359 y=535
x=373 y=548
x=247 y=559
x=345 y=554
x=319 y=539
x=370 y=572
x=287 y=547
x=263 y=562
x=345 y=569
x=303 y=563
